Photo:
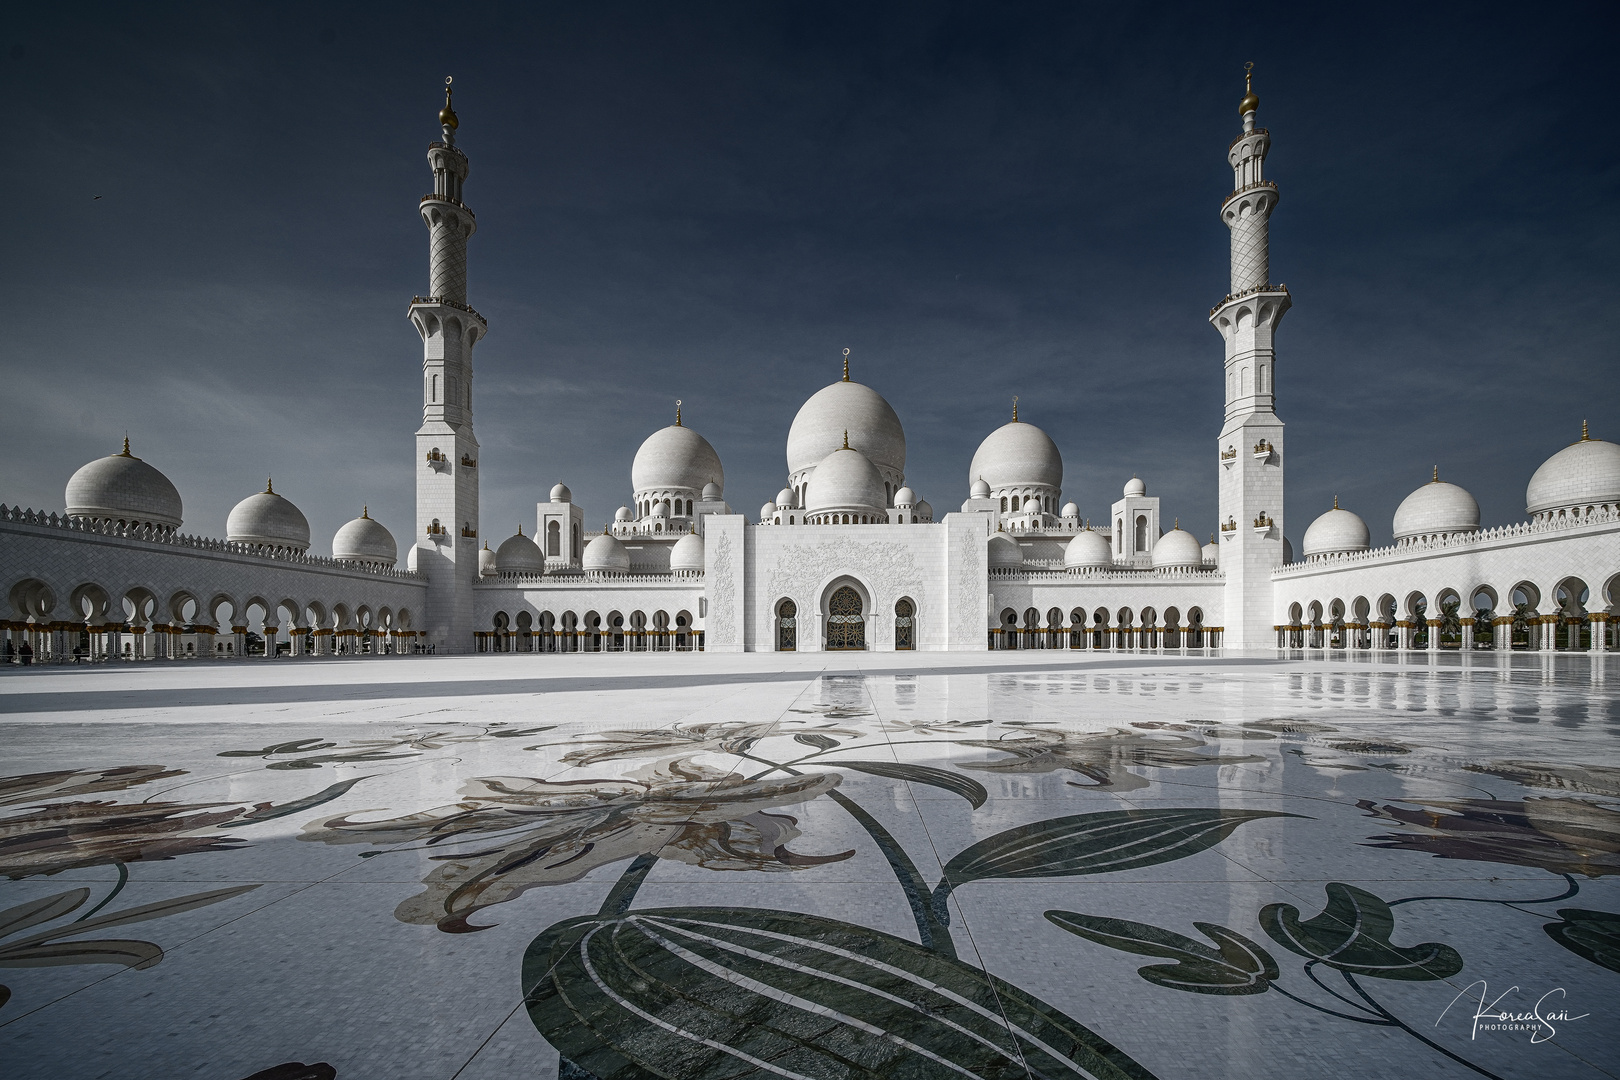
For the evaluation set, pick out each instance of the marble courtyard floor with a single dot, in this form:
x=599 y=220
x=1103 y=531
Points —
x=820 y=865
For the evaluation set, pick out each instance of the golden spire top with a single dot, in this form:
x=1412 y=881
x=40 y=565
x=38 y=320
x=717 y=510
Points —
x=365 y=511
x=677 y=412
x=846 y=371
x=520 y=533
x=1335 y=502
x=1436 y=479
x=1177 y=525
x=126 y=452
x=447 y=115
x=1585 y=437
x=1015 y=408
x=269 y=486
x=846 y=438
x=1251 y=100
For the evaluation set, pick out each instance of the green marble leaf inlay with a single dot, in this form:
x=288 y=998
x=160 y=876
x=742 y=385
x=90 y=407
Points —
x=699 y=992
x=965 y=786
x=1591 y=935
x=1236 y=966
x=1097 y=843
x=1352 y=935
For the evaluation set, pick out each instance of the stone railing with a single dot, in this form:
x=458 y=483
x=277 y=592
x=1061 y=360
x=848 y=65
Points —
x=1454 y=542
x=447 y=302
x=1249 y=292
x=1248 y=135
x=1135 y=577
x=434 y=196
x=170 y=539
x=1270 y=185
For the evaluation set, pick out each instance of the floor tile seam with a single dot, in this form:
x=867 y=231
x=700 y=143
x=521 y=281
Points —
x=507 y=1019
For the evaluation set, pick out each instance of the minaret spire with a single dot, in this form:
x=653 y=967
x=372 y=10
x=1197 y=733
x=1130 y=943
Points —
x=846 y=365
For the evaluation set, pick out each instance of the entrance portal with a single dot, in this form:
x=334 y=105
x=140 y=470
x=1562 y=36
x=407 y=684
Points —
x=846 y=626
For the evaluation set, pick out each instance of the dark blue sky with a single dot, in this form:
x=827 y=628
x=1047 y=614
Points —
x=711 y=202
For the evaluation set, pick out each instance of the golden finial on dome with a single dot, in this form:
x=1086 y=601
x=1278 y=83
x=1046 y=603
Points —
x=1251 y=100
x=269 y=488
x=1015 y=408
x=846 y=372
x=447 y=115
x=1436 y=479
x=1335 y=502
x=846 y=438
x=365 y=512
x=1584 y=436
x=677 y=412
x=520 y=533
x=1177 y=525
x=126 y=452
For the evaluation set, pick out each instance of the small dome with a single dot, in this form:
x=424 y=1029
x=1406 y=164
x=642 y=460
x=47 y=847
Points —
x=905 y=498
x=852 y=407
x=1178 y=547
x=1436 y=509
x=846 y=480
x=519 y=555
x=486 y=561
x=560 y=493
x=1005 y=554
x=1070 y=510
x=623 y=514
x=607 y=555
x=676 y=457
x=712 y=493
x=924 y=510
x=979 y=490
x=1212 y=553
x=1088 y=549
x=687 y=555
x=123 y=488
x=269 y=520
x=767 y=511
x=365 y=540
x=1336 y=531
x=658 y=510
x=1017 y=455
x=785 y=499
x=1135 y=487
x=1580 y=475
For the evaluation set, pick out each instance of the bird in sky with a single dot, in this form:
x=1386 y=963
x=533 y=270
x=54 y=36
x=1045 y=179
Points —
x=94 y=198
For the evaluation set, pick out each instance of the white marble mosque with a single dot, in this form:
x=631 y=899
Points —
x=847 y=556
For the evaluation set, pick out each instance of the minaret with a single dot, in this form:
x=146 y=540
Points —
x=446 y=547
x=1251 y=445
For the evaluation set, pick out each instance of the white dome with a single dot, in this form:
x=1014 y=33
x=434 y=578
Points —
x=1336 y=531
x=606 y=554
x=1585 y=473
x=924 y=510
x=979 y=490
x=1136 y=486
x=818 y=430
x=486 y=561
x=623 y=514
x=1436 y=508
x=785 y=499
x=845 y=480
x=676 y=457
x=658 y=510
x=712 y=492
x=1212 y=553
x=1088 y=549
x=270 y=520
x=1178 y=547
x=365 y=540
x=123 y=488
x=1017 y=455
x=1070 y=510
x=687 y=554
x=905 y=498
x=767 y=511
x=560 y=493
x=1005 y=554
x=519 y=554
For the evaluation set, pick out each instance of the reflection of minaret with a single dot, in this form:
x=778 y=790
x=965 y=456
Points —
x=446 y=547
x=1251 y=443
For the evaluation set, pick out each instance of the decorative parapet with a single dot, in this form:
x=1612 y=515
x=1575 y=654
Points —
x=161 y=538
x=1234 y=142
x=1458 y=542
x=1250 y=292
x=592 y=580
x=447 y=302
x=1144 y=576
x=458 y=204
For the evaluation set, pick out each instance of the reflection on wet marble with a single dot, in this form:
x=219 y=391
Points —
x=1009 y=865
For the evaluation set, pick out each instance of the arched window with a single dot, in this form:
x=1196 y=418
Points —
x=576 y=539
x=1004 y=504
x=787 y=625
x=1141 y=532
x=1015 y=503
x=904 y=636
x=846 y=624
x=688 y=507
x=553 y=538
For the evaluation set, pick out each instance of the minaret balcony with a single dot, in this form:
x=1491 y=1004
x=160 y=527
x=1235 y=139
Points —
x=1229 y=457
x=440 y=301
x=463 y=207
x=1259 y=185
x=1280 y=291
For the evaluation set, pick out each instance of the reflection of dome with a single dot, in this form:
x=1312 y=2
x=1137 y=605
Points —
x=1088 y=549
x=846 y=480
x=1336 y=531
x=1177 y=548
x=785 y=499
x=1136 y=486
x=686 y=557
x=1017 y=455
x=606 y=555
x=979 y=490
x=269 y=520
x=1070 y=510
x=520 y=555
x=560 y=493
x=123 y=488
x=1436 y=509
x=1005 y=554
x=905 y=498
x=486 y=561
x=676 y=457
x=365 y=540
x=873 y=429
x=1580 y=475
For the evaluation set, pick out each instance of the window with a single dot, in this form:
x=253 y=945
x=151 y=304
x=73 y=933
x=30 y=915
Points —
x=1015 y=503
x=553 y=538
x=786 y=626
x=846 y=625
x=1004 y=504
x=1141 y=532
x=576 y=539
x=904 y=638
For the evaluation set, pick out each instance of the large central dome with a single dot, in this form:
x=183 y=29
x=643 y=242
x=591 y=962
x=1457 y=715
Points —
x=1017 y=455
x=873 y=428
x=676 y=458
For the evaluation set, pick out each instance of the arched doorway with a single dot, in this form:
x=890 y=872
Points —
x=904 y=639
x=787 y=626
x=846 y=622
